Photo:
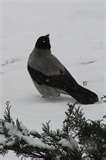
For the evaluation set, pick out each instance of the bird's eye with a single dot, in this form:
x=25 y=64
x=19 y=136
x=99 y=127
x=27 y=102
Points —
x=43 y=41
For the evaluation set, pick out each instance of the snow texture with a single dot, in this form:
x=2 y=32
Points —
x=72 y=144
x=19 y=131
x=2 y=139
x=77 y=34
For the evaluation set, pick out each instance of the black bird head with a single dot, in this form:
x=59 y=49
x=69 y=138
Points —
x=43 y=42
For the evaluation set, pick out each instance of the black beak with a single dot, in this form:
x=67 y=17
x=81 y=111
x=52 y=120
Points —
x=47 y=35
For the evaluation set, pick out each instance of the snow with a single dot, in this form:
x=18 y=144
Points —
x=36 y=142
x=77 y=34
x=2 y=139
x=72 y=144
x=19 y=131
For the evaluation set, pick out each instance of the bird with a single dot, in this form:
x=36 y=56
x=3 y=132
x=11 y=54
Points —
x=50 y=76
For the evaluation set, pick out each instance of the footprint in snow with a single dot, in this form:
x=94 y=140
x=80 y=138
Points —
x=88 y=62
x=10 y=61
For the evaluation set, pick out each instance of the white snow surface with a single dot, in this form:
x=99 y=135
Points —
x=78 y=39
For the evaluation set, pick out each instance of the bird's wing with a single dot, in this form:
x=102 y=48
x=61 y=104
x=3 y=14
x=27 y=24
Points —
x=47 y=69
x=47 y=64
x=63 y=80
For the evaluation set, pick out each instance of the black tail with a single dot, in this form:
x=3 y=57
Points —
x=83 y=95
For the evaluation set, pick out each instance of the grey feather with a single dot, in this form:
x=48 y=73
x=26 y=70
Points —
x=45 y=62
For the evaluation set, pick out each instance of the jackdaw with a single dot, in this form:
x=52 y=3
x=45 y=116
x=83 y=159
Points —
x=50 y=76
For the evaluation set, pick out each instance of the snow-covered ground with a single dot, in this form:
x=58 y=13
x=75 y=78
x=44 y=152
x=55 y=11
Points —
x=77 y=34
